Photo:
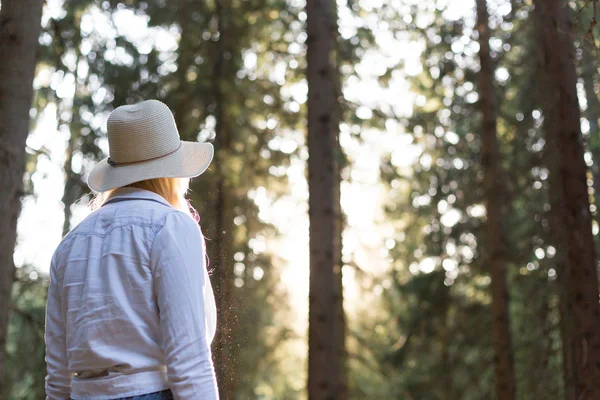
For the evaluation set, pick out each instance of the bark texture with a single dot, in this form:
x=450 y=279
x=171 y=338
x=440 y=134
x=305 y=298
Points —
x=545 y=92
x=326 y=371
x=561 y=265
x=495 y=232
x=19 y=31
x=564 y=135
x=224 y=345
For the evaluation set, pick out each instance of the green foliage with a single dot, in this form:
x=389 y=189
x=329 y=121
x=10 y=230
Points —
x=25 y=350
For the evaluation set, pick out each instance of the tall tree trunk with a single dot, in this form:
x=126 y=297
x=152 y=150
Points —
x=325 y=336
x=556 y=42
x=73 y=185
x=341 y=161
x=224 y=345
x=19 y=31
x=545 y=92
x=560 y=263
x=589 y=73
x=217 y=221
x=496 y=235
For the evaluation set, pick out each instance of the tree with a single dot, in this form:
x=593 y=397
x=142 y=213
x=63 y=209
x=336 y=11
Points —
x=544 y=96
x=325 y=336
x=19 y=30
x=495 y=199
x=556 y=43
x=224 y=346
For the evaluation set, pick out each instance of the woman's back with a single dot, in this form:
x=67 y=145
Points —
x=134 y=308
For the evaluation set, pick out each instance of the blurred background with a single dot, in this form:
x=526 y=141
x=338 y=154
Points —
x=416 y=272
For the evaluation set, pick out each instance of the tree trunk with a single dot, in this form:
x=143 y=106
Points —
x=325 y=336
x=224 y=344
x=589 y=73
x=560 y=263
x=340 y=160
x=545 y=92
x=556 y=42
x=73 y=184
x=496 y=235
x=217 y=221
x=19 y=31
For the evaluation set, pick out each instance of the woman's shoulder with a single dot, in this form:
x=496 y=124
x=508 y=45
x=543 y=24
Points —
x=180 y=222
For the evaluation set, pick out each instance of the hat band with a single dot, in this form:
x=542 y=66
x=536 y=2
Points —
x=115 y=164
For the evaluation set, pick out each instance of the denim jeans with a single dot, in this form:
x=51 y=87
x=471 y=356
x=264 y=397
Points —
x=164 y=395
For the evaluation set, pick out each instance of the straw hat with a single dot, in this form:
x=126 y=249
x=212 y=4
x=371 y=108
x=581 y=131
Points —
x=143 y=144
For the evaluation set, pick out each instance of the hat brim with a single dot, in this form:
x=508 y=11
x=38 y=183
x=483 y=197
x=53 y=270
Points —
x=190 y=160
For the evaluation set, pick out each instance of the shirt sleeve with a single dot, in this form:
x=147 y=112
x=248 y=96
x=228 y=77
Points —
x=178 y=265
x=58 y=380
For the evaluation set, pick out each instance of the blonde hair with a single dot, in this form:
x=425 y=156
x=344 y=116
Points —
x=173 y=190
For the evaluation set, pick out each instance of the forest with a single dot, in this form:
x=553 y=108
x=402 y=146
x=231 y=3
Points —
x=402 y=203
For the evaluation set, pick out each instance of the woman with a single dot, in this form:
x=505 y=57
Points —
x=131 y=312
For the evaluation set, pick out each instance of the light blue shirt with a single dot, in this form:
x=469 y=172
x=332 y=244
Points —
x=131 y=308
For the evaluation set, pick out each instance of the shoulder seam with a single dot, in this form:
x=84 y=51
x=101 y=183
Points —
x=162 y=225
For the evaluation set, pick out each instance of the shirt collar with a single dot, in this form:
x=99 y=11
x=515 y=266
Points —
x=131 y=193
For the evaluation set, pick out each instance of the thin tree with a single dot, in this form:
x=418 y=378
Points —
x=556 y=44
x=224 y=343
x=19 y=31
x=495 y=231
x=74 y=186
x=325 y=336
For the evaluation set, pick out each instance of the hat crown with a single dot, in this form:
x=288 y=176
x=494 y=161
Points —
x=141 y=132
